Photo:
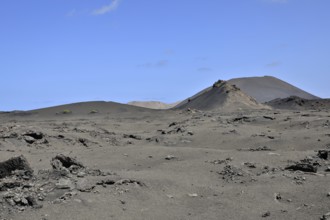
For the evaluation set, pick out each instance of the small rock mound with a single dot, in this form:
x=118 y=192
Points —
x=303 y=167
x=15 y=164
x=234 y=174
x=221 y=96
x=20 y=190
x=298 y=103
x=64 y=165
x=64 y=161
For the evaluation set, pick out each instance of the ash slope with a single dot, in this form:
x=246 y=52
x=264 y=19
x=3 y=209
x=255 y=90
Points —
x=221 y=96
x=152 y=104
x=83 y=109
x=267 y=88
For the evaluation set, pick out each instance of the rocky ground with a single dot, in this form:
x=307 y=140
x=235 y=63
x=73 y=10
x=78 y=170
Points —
x=183 y=164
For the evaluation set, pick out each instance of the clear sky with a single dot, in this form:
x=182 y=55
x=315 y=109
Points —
x=60 y=51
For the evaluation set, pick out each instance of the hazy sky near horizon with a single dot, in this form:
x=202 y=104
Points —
x=56 y=52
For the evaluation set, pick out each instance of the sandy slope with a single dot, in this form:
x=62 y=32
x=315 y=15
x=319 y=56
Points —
x=153 y=104
x=169 y=164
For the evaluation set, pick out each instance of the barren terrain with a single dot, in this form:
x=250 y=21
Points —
x=217 y=155
x=139 y=163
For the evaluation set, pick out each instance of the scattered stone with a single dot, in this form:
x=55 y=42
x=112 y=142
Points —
x=233 y=174
x=311 y=161
x=122 y=202
x=323 y=154
x=226 y=161
x=161 y=131
x=262 y=148
x=189 y=110
x=328 y=195
x=66 y=162
x=242 y=119
x=20 y=200
x=178 y=130
x=132 y=136
x=64 y=184
x=83 y=141
x=218 y=83
x=266 y=214
x=170 y=157
x=172 y=124
x=9 y=135
x=81 y=174
x=14 y=164
x=63 y=166
x=250 y=165
x=269 y=117
x=58 y=169
x=33 y=202
x=156 y=139
x=190 y=133
x=67 y=195
x=325 y=216
x=302 y=167
x=34 y=135
x=10 y=185
x=299 y=180
x=20 y=192
x=278 y=196
x=129 y=181
x=104 y=183
x=29 y=140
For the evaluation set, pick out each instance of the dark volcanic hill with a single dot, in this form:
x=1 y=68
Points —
x=267 y=88
x=83 y=109
x=297 y=103
x=221 y=96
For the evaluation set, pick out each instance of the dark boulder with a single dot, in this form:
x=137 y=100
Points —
x=323 y=154
x=303 y=167
x=15 y=164
x=65 y=161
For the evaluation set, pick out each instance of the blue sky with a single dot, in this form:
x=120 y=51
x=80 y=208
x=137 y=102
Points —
x=56 y=52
